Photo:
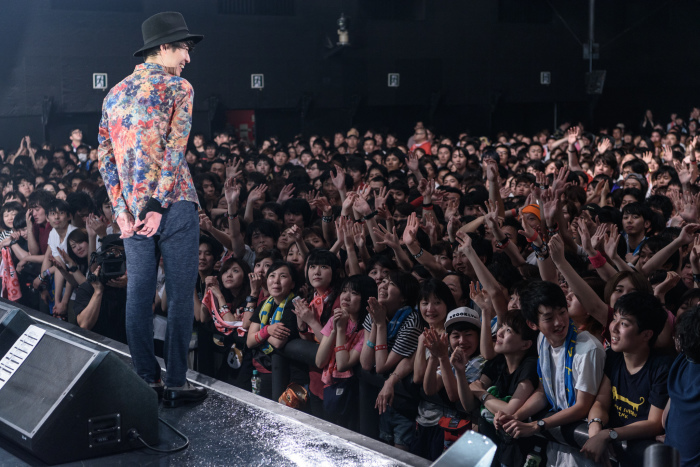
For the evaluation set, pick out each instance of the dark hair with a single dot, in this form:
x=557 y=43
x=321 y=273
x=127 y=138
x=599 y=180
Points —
x=77 y=236
x=215 y=247
x=323 y=257
x=646 y=309
x=41 y=198
x=639 y=281
x=292 y=272
x=366 y=287
x=407 y=285
x=80 y=200
x=273 y=254
x=239 y=300
x=515 y=320
x=59 y=205
x=153 y=51
x=265 y=227
x=688 y=333
x=9 y=206
x=20 y=220
x=381 y=260
x=660 y=202
x=298 y=206
x=440 y=290
x=639 y=209
x=540 y=293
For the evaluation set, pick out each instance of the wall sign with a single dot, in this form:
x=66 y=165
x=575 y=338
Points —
x=99 y=81
x=257 y=81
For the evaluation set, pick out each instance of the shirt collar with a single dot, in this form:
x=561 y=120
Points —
x=149 y=66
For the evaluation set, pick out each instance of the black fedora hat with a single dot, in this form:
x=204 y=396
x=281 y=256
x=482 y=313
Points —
x=164 y=28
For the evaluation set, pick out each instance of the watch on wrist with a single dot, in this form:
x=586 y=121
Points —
x=484 y=396
x=541 y=426
x=613 y=435
x=72 y=268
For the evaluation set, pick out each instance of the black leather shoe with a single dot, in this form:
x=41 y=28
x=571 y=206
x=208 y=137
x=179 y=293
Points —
x=158 y=388
x=179 y=397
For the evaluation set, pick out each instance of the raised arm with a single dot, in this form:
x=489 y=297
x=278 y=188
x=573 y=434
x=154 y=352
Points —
x=232 y=192
x=572 y=136
x=587 y=297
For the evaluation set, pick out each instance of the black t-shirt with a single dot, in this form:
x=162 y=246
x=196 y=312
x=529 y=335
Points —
x=111 y=322
x=497 y=371
x=633 y=395
x=289 y=319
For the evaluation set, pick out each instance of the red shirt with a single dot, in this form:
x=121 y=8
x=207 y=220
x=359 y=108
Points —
x=41 y=234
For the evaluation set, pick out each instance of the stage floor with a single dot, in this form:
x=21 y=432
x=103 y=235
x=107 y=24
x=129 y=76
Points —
x=237 y=428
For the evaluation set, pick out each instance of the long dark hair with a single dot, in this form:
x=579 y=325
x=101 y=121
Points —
x=237 y=301
x=366 y=287
x=325 y=258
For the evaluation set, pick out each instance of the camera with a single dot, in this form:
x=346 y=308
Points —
x=113 y=262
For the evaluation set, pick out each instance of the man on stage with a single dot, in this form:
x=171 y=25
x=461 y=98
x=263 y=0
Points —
x=146 y=120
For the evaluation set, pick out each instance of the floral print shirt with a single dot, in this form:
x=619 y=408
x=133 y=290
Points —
x=146 y=120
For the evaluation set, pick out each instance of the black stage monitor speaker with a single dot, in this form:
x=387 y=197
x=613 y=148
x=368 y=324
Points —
x=13 y=322
x=64 y=399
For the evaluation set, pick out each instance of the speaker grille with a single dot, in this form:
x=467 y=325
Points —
x=56 y=365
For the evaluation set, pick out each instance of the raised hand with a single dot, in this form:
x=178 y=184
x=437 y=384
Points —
x=376 y=310
x=386 y=237
x=465 y=242
x=598 y=239
x=668 y=154
x=257 y=193
x=572 y=135
x=459 y=360
x=233 y=168
x=411 y=230
x=435 y=343
x=285 y=193
x=412 y=162
x=604 y=145
x=556 y=248
x=358 y=234
x=612 y=240
x=648 y=157
x=559 y=184
x=491 y=169
x=339 y=179
x=232 y=191
x=480 y=296
x=205 y=223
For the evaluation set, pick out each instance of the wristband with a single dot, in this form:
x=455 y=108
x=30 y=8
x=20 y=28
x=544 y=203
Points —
x=340 y=348
x=380 y=347
x=593 y=420
x=597 y=261
x=257 y=337
x=514 y=212
x=484 y=396
x=419 y=254
x=250 y=299
x=72 y=268
x=427 y=205
x=370 y=215
x=370 y=344
x=225 y=308
x=501 y=245
x=233 y=216
x=264 y=333
x=553 y=230
x=533 y=238
x=327 y=219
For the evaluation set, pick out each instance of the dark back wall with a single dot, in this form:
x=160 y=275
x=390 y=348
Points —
x=464 y=65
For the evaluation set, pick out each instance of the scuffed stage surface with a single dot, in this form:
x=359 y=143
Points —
x=233 y=427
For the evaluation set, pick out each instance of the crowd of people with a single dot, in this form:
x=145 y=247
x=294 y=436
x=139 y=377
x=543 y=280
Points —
x=512 y=285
